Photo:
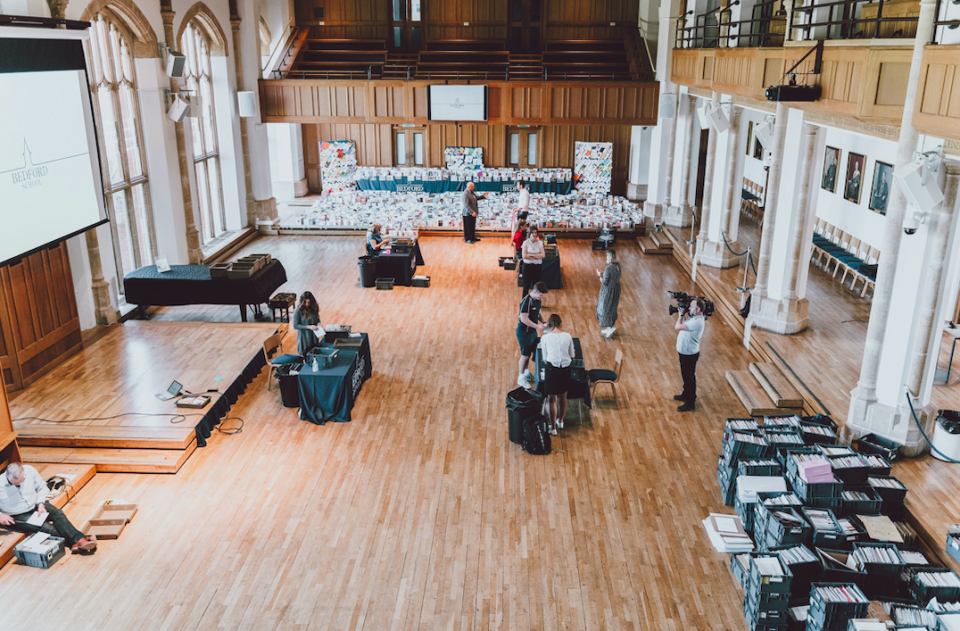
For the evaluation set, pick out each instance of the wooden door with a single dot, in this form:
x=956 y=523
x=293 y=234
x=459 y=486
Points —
x=523 y=147
x=525 y=26
x=406 y=25
x=409 y=146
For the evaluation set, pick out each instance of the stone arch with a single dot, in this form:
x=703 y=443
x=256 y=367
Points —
x=264 y=37
x=204 y=18
x=127 y=13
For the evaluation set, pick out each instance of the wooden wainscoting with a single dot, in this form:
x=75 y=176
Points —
x=513 y=102
x=693 y=67
x=938 y=93
x=39 y=323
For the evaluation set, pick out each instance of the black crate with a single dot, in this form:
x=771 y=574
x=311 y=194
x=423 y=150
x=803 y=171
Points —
x=953 y=546
x=825 y=538
x=740 y=566
x=878 y=464
x=804 y=572
x=741 y=425
x=873 y=444
x=883 y=578
x=727 y=481
x=735 y=450
x=767 y=584
x=762 y=467
x=924 y=593
x=783 y=532
x=850 y=475
x=754 y=602
x=869 y=506
x=762 y=512
x=784 y=439
x=849 y=538
x=891 y=498
x=821 y=419
x=421 y=282
x=814 y=434
x=385 y=283
x=745 y=512
x=828 y=613
x=791 y=464
x=836 y=570
x=510 y=264
x=807 y=490
x=598 y=245
x=833 y=503
x=899 y=613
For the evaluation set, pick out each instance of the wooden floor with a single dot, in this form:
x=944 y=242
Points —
x=120 y=372
x=420 y=513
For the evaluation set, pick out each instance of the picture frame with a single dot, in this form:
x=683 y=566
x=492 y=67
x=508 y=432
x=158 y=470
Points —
x=853 y=182
x=880 y=190
x=831 y=169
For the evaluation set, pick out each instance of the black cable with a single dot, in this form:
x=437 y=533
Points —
x=913 y=413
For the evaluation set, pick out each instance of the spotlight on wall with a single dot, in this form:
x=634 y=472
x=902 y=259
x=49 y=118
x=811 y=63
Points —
x=178 y=108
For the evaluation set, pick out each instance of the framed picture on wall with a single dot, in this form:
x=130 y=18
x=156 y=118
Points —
x=757 y=149
x=854 y=181
x=749 y=137
x=831 y=164
x=880 y=192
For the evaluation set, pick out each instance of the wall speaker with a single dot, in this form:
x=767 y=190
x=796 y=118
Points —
x=247 y=104
x=718 y=119
x=703 y=116
x=668 y=106
x=175 y=64
x=919 y=186
x=178 y=109
x=764 y=133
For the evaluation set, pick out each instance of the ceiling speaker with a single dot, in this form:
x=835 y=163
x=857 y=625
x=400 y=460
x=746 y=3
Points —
x=919 y=186
x=178 y=109
x=175 y=64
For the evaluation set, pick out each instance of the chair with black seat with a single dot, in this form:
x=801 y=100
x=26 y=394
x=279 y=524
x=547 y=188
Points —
x=869 y=258
x=603 y=375
x=271 y=345
x=850 y=254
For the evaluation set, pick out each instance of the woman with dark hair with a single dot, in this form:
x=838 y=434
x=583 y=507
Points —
x=609 y=298
x=558 y=353
x=518 y=236
x=306 y=320
x=532 y=252
x=374 y=240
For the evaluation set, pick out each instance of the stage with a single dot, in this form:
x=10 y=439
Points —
x=121 y=372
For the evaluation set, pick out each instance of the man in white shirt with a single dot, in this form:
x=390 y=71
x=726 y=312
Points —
x=690 y=328
x=23 y=493
x=522 y=211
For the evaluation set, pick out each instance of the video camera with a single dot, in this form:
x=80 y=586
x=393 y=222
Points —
x=684 y=300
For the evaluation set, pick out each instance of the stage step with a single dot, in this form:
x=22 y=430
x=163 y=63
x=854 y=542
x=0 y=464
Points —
x=8 y=541
x=82 y=473
x=752 y=394
x=648 y=246
x=113 y=460
x=104 y=436
x=776 y=385
x=661 y=240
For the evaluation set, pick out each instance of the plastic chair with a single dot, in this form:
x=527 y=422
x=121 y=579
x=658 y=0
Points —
x=603 y=375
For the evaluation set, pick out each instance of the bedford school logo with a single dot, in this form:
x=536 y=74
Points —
x=456 y=104
x=31 y=174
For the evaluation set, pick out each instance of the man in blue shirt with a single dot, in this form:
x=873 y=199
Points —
x=689 y=330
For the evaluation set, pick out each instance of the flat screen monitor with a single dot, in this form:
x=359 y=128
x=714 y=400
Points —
x=457 y=103
x=50 y=182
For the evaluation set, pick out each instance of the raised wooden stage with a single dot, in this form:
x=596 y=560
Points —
x=120 y=373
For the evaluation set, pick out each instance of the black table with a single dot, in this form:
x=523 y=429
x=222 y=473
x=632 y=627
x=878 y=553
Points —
x=192 y=285
x=400 y=267
x=549 y=274
x=579 y=389
x=406 y=185
x=328 y=394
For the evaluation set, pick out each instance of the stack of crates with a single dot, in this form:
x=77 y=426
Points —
x=934 y=582
x=833 y=605
x=826 y=531
x=762 y=467
x=741 y=441
x=883 y=565
x=767 y=593
x=804 y=567
x=785 y=525
x=859 y=500
x=767 y=502
x=819 y=494
x=891 y=492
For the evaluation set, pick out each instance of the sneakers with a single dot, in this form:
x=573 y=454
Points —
x=528 y=375
x=559 y=423
x=524 y=382
x=553 y=431
x=608 y=332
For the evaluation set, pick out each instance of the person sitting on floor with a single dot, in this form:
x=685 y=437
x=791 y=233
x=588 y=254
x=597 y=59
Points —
x=23 y=492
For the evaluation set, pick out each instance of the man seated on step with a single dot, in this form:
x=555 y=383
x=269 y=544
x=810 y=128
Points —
x=23 y=493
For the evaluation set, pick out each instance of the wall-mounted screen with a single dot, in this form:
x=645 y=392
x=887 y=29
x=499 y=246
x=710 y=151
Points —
x=458 y=103
x=50 y=183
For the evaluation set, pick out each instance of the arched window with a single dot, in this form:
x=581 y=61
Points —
x=114 y=87
x=206 y=154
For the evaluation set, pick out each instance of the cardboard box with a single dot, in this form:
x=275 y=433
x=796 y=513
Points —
x=110 y=520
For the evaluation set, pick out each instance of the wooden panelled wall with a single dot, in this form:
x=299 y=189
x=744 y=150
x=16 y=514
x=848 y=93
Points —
x=470 y=19
x=938 y=93
x=317 y=101
x=38 y=315
x=375 y=145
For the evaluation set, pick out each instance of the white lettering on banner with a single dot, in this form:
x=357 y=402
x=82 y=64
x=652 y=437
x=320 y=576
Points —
x=409 y=188
x=358 y=374
x=509 y=188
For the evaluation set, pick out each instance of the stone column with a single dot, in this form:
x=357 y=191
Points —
x=103 y=308
x=651 y=208
x=864 y=396
x=770 y=209
x=681 y=215
x=708 y=168
x=797 y=220
x=58 y=9
x=244 y=140
x=716 y=253
x=194 y=255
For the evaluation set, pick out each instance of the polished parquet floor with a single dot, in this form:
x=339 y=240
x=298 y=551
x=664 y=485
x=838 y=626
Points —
x=420 y=514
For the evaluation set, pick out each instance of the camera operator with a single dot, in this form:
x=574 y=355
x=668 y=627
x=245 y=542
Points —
x=690 y=323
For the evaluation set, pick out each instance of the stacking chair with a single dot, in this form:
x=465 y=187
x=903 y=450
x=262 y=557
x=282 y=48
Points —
x=603 y=375
x=851 y=255
x=833 y=248
x=818 y=240
x=272 y=344
x=870 y=258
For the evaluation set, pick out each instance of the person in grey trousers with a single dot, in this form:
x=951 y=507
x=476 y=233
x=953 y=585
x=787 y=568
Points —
x=609 y=298
x=470 y=210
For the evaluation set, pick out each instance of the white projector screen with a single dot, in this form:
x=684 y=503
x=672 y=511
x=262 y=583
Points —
x=458 y=103
x=50 y=184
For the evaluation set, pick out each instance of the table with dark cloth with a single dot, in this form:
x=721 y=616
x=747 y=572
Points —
x=579 y=389
x=192 y=285
x=400 y=267
x=328 y=394
x=406 y=185
x=550 y=274
x=365 y=359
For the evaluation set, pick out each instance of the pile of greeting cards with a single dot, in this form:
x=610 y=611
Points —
x=338 y=161
x=463 y=158
x=593 y=166
x=482 y=175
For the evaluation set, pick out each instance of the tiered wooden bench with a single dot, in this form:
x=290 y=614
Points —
x=756 y=394
x=655 y=243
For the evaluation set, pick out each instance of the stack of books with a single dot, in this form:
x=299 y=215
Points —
x=726 y=533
